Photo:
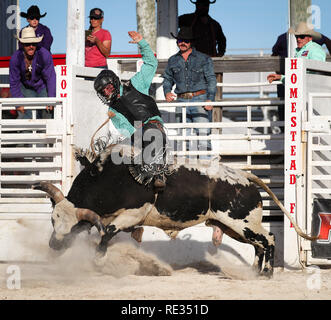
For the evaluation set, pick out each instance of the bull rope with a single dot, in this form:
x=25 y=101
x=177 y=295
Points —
x=92 y=139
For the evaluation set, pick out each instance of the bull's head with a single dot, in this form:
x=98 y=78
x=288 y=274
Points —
x=65 y=216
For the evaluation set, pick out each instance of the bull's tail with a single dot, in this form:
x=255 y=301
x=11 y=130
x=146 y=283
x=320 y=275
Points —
x=259 y=182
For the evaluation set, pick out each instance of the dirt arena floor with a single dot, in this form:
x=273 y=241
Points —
x=128 y=273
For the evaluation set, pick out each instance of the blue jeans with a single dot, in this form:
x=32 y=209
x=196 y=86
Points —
x=41 y=114
x=196 y=114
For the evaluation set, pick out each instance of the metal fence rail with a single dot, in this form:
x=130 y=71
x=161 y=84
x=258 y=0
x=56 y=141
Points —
x=240 y=144
x=31 y=151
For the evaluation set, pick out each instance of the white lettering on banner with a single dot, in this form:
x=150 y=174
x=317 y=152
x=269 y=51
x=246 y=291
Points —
x=294 y=130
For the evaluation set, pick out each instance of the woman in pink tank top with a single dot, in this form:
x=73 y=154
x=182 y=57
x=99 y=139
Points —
x=98 y=41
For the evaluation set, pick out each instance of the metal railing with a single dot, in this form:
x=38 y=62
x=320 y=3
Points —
x=32 y=150
x=239 y=144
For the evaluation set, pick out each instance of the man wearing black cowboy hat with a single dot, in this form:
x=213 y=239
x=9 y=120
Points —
x=193 y=74
x=208 y=33
x=33 y=16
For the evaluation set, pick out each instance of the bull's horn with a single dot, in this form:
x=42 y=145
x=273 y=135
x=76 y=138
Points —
x=54 y=192
x=91 y=216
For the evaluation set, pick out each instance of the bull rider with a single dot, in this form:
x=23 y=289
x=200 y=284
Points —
x=131 y=108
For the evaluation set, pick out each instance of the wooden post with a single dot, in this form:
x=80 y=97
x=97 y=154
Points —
x=217 y=111
x=298 y=11
x=146 y=21
x=167 y=12
x=75 y=33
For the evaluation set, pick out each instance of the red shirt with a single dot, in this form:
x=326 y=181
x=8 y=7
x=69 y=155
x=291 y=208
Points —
x=93 y=56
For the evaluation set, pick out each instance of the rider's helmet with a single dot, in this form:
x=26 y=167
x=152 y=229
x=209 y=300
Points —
x=104 y=78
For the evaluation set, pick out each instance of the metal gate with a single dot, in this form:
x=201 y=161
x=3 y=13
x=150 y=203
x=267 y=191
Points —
x=318 y=128
x=31 y=151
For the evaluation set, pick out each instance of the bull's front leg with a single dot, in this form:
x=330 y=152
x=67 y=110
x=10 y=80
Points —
x=110 y=233
x=128 y=219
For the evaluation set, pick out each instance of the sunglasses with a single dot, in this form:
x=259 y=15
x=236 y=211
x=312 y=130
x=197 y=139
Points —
x=183 y=40
x=302 y=36
x=94 y=18
x=34 y=18
x=29 y=44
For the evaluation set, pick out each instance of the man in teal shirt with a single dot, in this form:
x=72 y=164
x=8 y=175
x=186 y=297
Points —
x=306 y=48
x=130 y=108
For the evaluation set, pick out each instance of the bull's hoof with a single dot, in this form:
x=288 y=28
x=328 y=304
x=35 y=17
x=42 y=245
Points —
x=100 y=258
x=267 y=273
x=55 y=254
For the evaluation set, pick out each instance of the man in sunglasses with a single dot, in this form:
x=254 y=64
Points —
x=32 y=73
x=193 y=74
x=33 y=16
x=306 y=47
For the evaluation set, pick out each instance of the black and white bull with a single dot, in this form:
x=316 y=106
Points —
x=105 y=195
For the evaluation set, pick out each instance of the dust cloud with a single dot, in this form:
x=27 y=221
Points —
x=123 y=258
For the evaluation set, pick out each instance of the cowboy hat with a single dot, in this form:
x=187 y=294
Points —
x=28 y=36
x=185 y=33
x=33 y=12
x=304 y=29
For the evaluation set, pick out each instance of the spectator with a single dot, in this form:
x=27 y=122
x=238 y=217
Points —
x=32 y=73
x=208 y=33
x=33 y=16
x=193 y=74
x=98 y=41
x=280 y=47
x=306 y=49
x=129 y=103
x=7 y=114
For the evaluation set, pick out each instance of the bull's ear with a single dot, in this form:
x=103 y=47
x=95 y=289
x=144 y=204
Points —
x=83 y=161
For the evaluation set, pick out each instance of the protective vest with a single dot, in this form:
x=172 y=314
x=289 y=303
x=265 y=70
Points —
x=135 y=106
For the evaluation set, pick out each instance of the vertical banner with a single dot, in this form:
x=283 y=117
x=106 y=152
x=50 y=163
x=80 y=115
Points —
x=64 y=86
x=294 y=196
x=64 y=91
x=62 y=81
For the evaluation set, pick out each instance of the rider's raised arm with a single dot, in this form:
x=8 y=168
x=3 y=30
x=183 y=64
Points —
x=142 y=80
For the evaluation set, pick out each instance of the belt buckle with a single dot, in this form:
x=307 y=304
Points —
x=189 y=95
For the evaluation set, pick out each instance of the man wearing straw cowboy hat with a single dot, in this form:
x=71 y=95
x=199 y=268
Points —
x=33 y=16
x=306 y=48
x=32 y=73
